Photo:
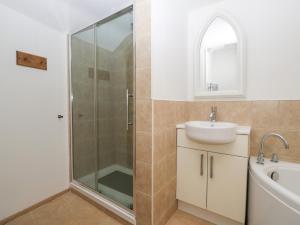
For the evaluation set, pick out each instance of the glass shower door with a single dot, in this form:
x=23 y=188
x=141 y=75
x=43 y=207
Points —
x=102 y=85
x=115 y=95
x=84 y=143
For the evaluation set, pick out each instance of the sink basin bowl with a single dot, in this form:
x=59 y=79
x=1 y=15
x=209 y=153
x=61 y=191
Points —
x=211 y=132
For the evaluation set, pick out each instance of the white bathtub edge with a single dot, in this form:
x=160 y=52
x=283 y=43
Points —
x=282 y=194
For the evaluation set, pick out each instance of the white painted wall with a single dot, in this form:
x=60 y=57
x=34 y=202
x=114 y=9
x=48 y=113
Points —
x=168 y=49
x=273 y=48
x=34 y=151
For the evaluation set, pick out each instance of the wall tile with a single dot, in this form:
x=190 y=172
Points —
x=159 y=109
x=159 y=175
x=160 y=145
x=143 y=209
x=199 y=110
x=171 y=166
x=237 y=112
x=265 y=114
x=166 y=115
x=144 y=115
x=143 y=180
x=143 y=21
x=289 y=114
x=165 y=203
x=181 y=112
x=144 y=146
x=143 y=83
x=170 y=140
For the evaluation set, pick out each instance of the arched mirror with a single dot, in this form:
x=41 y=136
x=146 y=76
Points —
x=219 y=59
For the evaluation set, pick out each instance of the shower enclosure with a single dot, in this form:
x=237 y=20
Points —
x=102 y=96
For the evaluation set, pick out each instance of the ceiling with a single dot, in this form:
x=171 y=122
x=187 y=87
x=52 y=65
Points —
x=188 y=5
x=72 y=15
x=67 y=15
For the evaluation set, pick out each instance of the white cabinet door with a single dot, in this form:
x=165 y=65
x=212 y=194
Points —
x=192 y=176
x=227 y=185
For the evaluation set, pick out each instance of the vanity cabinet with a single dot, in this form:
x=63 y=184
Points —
x=213 y=177
x=192 y=176
x=227 y=185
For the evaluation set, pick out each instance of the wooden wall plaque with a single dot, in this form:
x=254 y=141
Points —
x=33 y=61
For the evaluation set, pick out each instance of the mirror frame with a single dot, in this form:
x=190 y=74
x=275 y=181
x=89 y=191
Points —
x=198 y=71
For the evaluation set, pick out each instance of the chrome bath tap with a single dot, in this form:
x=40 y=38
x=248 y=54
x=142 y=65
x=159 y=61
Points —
x=261 y=154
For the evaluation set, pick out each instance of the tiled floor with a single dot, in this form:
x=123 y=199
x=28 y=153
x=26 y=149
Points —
x=70 y=209
x=182 y=218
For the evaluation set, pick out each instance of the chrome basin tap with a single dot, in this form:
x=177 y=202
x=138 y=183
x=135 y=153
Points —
x=260 y=157
x=213 y=114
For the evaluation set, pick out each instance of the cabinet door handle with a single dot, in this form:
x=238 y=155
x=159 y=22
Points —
x=201 y=165
x=211 y=167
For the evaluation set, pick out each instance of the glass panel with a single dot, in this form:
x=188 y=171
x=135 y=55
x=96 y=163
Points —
x=114 y=119
x=83 y=107
x=103 y=107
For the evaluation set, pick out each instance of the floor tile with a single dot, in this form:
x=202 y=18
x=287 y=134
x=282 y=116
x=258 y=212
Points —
x=182 y=218
x=68 y=209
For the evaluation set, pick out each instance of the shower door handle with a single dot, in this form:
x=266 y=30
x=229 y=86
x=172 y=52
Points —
x=127 y=109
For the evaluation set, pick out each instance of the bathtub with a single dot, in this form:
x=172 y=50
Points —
x=273 y=202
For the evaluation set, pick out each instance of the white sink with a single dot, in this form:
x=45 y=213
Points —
x=211 y=132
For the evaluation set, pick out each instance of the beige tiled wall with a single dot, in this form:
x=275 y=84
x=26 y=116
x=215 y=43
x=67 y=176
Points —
x=262 y=116
x=143 y=187
x=166 y=115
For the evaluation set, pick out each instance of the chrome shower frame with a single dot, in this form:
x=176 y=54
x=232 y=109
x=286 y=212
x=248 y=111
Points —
x=115 y=207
